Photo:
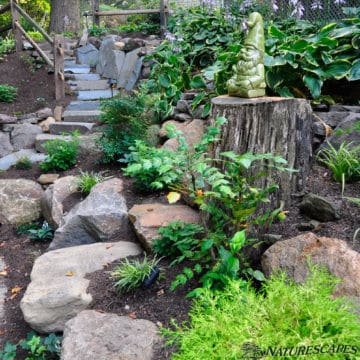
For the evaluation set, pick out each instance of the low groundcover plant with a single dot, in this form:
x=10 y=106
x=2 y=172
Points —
x=239 y=322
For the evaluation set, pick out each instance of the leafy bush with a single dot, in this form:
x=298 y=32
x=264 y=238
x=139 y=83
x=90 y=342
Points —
x=126 y=122
x=130 y=274
x=37 y=348
x=283 y=315
x=7 y=93
x=7 y=45
x=23 y=163
x=343 y=162
x=61 y=154
x=45 y=233
x=178 y=240
x=88 y=180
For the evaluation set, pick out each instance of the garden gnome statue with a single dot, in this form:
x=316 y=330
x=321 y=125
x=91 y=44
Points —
x=248 y=79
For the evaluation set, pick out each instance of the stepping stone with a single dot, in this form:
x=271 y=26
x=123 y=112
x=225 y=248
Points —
x=77 y=69
x=43 y=138
x=92 y=335
x=86 y=77
x=69 y=62
x=58 y=288
x=89 y=85
x=82 y=115
x=59 y=128
x=9 y=160
x=83 y=105
x=147 y=218
x=96 y=94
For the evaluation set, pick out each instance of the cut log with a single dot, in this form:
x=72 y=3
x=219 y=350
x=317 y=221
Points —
x=281 y=126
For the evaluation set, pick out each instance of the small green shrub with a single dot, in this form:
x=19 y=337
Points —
x=24 y=228
x=7 y=45
x=23 y=163
x=45 y=233
x=130 y=274
x=97 y=31
x=7 y=93
x=283 y=315
x=88 y=180
x=343 y=162
x=61 y=154
x=37 y=348
x=178 y=240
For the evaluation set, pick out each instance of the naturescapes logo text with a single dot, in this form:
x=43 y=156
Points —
x=253 y=351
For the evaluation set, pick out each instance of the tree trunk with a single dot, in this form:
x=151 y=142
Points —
x=280 y=126
x=65 y=16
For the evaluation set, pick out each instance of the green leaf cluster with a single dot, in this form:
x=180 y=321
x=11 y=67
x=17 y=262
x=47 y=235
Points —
x=282 y=315
x=7 y=93
x=44 y=233
x=61 y=154
x=88 y=179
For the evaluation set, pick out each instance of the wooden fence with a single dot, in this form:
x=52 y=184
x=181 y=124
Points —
x=57 y=43
x=163 y=10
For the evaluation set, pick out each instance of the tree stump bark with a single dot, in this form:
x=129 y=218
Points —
x=281 y=126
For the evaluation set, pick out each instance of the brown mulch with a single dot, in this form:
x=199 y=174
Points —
x=155 y=303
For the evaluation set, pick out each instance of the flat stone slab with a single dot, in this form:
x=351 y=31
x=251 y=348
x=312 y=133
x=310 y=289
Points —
x=95 y=94
x=83 y=105
x=43 y=138
x=77 y=69
x=88 y=77
x=89 y=84
x=147 y=218
x=68 y=127
x=58 y=288
x=82 y=115
x=96 y=336
x=9 y=160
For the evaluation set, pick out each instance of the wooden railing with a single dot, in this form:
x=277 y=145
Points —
x=162 y=10
x=57 y=43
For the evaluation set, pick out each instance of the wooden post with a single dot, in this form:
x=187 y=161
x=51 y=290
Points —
x=163 y=16
x=59 y=67
x=95 y=9
x=281 y=126
x=17 y=34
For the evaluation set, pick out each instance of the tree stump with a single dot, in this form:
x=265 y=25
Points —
x=281 y=126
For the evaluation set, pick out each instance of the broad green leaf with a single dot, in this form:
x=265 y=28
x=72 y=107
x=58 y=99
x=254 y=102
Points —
x=258 y=275
x=313 y=84
x=299 y=46
x=275 y=32
x=355 y=42
x=345 y=31
x=354 y=73
x=220 y=120
x=285 y=92
x=237 y=241
x=206 y=110
x=328 y=42
x=273 y=80
x=326 y=58
x=337 y=69
x=211 y=71
x=274 y=61
x=327 y=28
x=164 y=80
x=197 y=82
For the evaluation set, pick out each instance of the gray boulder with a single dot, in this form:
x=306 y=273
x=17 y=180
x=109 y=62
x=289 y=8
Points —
x=58 y=288
x=24 y=135
x=6 y=119
x=9 y=160
x=127 y=70
x=100 y=217
x=340 y=260
x=54 y=196
x=19 y=201
x=94 y=336
x=5 y=145
x=87 y=54
x=319 y=208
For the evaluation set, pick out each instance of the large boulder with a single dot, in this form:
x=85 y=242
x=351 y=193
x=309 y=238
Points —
x=19 y=201
x=94 y=336
x=292 y=255
x=147 y=218
x=54 y=196
x=23 y=136
x=131 y=67
x=58 y=288
x=100 y=217
x=87 y=54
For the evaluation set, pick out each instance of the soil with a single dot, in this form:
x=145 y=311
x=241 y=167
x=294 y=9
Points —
x=156 y=303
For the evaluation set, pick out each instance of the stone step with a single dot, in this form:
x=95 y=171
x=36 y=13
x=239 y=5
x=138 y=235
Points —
x=87 y=77
x=83 y=105
x=96 y=94
x=89 y=84
x=59 y=128
x=77 y=69
x=43 y=138
x=82 y=116
x=69 y=62
x=9 y=160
